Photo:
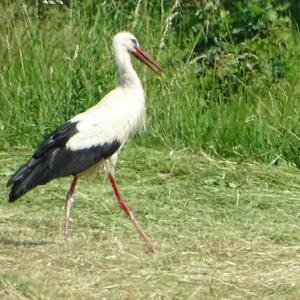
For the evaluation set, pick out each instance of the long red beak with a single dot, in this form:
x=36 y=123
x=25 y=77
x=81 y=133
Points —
x=148 y=61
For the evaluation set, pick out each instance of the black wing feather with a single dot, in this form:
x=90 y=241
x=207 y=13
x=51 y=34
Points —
x=52 y=160
x=57 y=138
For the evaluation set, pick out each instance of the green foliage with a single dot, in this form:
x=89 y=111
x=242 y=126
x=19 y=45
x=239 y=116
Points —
x=242 y=102
x=234 y=39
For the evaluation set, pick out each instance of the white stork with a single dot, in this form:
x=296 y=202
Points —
x=94 y=136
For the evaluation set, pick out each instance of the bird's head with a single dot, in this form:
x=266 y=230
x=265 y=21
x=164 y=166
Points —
x=129 y=42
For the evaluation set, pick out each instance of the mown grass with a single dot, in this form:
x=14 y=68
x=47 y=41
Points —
x=226 y=230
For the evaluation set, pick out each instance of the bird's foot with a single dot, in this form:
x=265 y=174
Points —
x=152 y=247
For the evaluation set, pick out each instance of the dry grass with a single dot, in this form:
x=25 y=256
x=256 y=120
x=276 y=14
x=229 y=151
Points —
x=225 y=231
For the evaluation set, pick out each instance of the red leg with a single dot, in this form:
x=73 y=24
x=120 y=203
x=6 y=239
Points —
x=130 y=215
x=69 y=203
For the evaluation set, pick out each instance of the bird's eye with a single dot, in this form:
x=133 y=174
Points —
x=134 y=41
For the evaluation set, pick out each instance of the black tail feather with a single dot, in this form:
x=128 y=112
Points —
x=25 y=178
x=58 y=162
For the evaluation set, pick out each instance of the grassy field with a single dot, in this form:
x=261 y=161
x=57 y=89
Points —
x=59 y=66
x=214 y=180
x=225 y=231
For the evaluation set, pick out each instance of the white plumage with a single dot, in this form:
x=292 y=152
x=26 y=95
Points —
x=94 y=136
x=117 y=116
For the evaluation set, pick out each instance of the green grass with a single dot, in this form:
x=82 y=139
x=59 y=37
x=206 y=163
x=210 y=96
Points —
x=225 y=230
x=59 y=66
x=213 y=181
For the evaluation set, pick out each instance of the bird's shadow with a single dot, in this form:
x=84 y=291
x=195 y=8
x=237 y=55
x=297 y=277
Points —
x=23 y=243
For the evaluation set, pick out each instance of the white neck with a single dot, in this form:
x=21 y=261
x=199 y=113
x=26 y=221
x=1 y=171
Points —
x=128 y=76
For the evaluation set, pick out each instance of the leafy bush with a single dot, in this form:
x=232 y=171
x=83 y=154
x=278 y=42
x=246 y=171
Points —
x=235 y=41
